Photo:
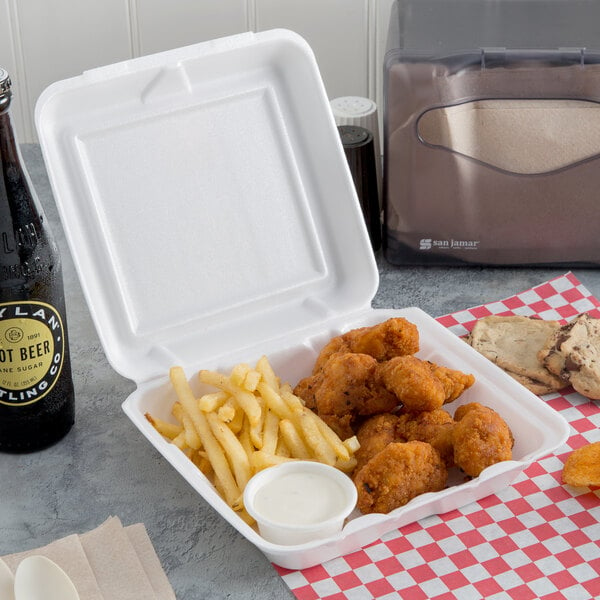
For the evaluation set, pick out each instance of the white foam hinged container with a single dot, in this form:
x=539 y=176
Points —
x=212 y=219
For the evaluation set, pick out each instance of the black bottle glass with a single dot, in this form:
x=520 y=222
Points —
x=36 y=387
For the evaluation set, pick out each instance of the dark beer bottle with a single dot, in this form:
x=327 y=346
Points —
x=36 y=387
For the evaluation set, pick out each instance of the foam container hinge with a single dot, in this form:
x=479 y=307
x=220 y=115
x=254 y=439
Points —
x=212 y=219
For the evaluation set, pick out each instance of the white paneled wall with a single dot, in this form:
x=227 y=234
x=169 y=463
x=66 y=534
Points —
x=42 y=41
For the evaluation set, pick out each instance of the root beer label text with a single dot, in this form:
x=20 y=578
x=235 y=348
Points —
x=31 y=351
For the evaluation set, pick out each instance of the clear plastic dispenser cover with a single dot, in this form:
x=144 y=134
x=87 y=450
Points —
x=206 y=199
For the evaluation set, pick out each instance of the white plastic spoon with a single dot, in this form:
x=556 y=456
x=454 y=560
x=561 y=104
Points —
x=38 y=578
x=7 y=582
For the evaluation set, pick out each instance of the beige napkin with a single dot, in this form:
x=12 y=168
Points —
x=111 y=562
x=520 y=136
x=68 y=553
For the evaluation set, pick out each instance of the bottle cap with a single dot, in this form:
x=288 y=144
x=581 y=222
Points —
x=5 y=84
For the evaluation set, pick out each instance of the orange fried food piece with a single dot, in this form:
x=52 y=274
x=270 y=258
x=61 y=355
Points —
x=412 y=381
x=481 y=438
x=342 y=425
x=422 y=385
x=394 y=337
x=336 y=345
x=306 y=389
x=349 y=387
x=582 y=467
x=454 y=382
x=397 y=474
x=435 y=427
x=374 y=435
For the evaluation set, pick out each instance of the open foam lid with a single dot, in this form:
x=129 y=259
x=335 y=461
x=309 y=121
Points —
x=206 y=200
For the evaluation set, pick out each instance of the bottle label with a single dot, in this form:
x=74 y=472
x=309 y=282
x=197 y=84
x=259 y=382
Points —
x=32 y=347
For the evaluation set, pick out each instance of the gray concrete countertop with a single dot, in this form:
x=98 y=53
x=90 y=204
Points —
x=105 y=467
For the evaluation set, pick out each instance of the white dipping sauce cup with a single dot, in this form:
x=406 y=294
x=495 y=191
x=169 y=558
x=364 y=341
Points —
x=299 y=501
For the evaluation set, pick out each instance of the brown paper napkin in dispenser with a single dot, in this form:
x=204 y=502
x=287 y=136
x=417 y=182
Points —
x=110 y=562
x=518 y=136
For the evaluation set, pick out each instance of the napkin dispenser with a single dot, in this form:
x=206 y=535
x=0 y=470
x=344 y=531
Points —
x=492 y=133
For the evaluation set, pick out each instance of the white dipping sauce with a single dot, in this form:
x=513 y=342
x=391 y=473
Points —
x=300 y=498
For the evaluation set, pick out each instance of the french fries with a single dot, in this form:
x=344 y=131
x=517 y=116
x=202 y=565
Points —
x=250 y=423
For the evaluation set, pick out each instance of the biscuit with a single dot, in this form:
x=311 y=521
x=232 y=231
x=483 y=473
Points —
x=537 y=387
x=513 y=343
x=573 y=354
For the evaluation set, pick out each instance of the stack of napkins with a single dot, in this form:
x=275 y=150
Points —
x=110 y=562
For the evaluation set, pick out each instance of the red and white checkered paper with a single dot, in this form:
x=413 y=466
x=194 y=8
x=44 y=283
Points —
x=537 y=539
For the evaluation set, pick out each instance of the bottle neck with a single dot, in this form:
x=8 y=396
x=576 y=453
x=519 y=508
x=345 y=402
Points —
x=5 y=101
x=22 y=224
x=17 y=187
x=8 y=143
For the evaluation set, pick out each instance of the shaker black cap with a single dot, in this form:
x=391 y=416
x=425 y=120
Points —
x=354 y=136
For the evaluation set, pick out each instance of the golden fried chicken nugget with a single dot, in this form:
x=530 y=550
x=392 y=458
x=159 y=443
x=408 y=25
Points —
x=397 y=474
x=349 y=388
x=374 y=435
x=394 y=337
x=422 y=385
x=454 y=382
x=306 y=389
x=435 y=427
x=582 y=467
x=335 y=345
x=342 y=425
x=481 y=438
x=413 y=382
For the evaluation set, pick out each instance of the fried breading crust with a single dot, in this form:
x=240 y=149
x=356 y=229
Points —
x=397 y=474
x=374 y=435
x=454 y=382
x=306 y=389
x=481 y=438
x=582 y=467
x=435 y=427
x=347 y=387
x=394 y=337
x=413 y=382
x=423 y=385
